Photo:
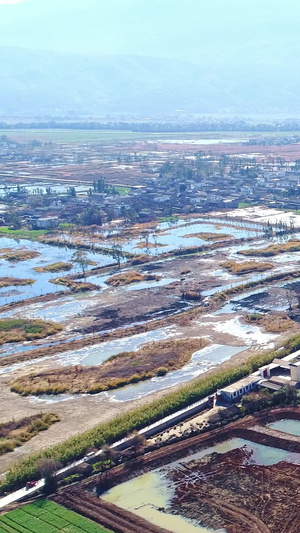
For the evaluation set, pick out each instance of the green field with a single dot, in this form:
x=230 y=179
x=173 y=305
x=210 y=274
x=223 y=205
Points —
x=64 y=135
x=73 y=135
x=21 y=233
x=44 y=516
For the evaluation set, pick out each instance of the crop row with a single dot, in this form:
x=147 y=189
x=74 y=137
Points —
x=46 y=517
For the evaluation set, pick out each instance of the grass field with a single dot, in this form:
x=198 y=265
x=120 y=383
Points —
x=21 y=233
x=73 y=135
x=44 y=516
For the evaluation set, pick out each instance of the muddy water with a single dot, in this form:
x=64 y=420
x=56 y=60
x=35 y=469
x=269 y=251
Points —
x=146 y=495
x=201 y=361
x=287 y=426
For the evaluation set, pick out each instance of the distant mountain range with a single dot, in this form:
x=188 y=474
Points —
x=37 y=82
x=95 y=57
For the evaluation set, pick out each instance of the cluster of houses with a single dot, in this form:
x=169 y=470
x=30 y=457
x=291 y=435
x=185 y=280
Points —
x=182 y=189
x=280 y=373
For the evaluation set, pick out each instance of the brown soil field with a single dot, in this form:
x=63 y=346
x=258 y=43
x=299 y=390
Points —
x=289 y=152
x=156 y=358
x=117 y=520
x=75 y=286
x=221 y=490
x=83 y=413
x=235 y=495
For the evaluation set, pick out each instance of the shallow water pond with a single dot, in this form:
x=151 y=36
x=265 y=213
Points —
x=25 y=269
x=146 y=495
x=173 y=234
x=286 y=426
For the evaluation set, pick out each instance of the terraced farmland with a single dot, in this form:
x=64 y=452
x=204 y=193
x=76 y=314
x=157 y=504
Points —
x=46 y=517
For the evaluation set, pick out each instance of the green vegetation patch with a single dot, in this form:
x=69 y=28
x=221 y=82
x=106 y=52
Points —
x=153 y=359
x=14 y=282
x=54 y=267
x=17 y=329
x=273 y=249
x=15 y=433
x=242 y=205
x=45 y=516
x=122 y=189
x=32 y=234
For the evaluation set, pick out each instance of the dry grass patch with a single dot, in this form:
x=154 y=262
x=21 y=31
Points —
x=140 y=259
x=13 y=282
x=125 y=278
x=210 y=236
x=15 y=433
x=54 y=267
x=246 y=267
x=150 y=245
x=75 y=286
x=273 y=249
x=278 y=323
x=9 y=254
x=17 y=330
x=154 y=359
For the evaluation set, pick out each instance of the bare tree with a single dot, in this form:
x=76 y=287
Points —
x=80 y=257
x=47 y=469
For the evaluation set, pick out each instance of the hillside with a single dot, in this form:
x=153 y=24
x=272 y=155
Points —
x=35 y=82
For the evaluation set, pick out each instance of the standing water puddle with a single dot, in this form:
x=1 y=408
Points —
x=25 y=269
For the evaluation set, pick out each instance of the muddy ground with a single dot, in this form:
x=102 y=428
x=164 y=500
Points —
x=226 y=491
x=220 y=490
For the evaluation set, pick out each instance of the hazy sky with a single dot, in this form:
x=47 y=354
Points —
x=11 y=1
x=194 y=30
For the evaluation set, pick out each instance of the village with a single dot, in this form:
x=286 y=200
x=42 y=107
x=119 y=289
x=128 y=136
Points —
x=149 y=282
x=44 y=190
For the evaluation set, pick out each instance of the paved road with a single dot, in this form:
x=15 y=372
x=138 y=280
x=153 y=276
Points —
x=152 y=429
